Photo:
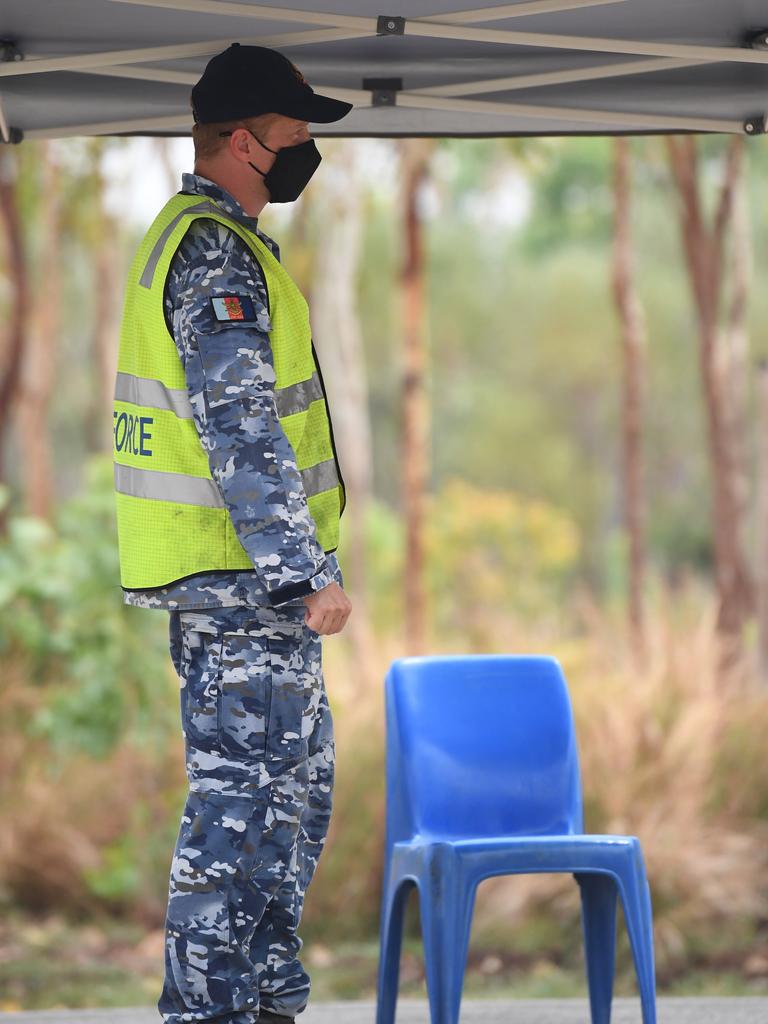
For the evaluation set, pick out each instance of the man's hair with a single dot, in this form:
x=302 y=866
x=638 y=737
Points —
x=208 y=140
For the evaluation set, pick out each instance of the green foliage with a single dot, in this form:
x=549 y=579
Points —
x=384 y=539
x=572 y=198
x=492 y=548
x=118 y=876
x=98 y=663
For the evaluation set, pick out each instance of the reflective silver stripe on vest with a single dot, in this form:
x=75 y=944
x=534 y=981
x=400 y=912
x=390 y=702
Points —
x=298 y=397
x=157 y=251
x=158 y=486
x=193 y=490
x=322 y=477
x=153 y=394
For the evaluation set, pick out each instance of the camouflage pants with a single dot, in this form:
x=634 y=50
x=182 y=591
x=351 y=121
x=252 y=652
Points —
x=260 y=759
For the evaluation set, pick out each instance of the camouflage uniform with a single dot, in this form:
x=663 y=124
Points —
x=260 y=761
x=258 y=730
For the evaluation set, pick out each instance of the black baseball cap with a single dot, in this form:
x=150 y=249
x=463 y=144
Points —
x=245 y=81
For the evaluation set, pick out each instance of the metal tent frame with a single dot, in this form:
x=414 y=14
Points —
x=653 y=73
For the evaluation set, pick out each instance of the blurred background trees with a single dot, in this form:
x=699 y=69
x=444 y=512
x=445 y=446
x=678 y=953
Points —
x=544 y=365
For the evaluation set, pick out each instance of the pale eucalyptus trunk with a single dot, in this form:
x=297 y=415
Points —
x=762 y=522
x=633 y=349
x=15 y=331
x=38 y=371
x=338 y=210
x=415 y=156
x=705 y=251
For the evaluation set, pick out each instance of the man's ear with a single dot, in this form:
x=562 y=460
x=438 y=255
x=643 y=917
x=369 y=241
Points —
x=240 y=142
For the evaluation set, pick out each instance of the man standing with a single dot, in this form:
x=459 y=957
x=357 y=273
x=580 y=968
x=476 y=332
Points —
x=229 y=495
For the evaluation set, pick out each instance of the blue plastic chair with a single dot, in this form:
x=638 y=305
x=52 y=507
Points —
x=483 y=779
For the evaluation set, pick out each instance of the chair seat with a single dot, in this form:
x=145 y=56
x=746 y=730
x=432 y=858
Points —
x=586 y=840
x=498 y=855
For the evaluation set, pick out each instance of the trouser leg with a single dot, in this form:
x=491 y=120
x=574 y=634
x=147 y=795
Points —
x=285 y=985
x=250 y=707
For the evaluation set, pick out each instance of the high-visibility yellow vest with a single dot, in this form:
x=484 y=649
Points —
x=171 y=519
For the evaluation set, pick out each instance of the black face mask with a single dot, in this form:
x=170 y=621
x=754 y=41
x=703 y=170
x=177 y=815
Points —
x=292 y=169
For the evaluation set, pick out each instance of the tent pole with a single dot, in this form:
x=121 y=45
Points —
x=102 y=58
x=532 y=81
x=521 y=10
x=83 y=62
x=144 y=74
x=618 y=120
x=167 y=123
x=444 y=30
x=355 y=21
x=5 y=133
x=543 y=78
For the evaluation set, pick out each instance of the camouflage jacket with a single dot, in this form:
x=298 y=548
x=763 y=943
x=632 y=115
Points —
x=242 y=435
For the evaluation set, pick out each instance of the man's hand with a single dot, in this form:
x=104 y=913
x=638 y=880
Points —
x=327 y=609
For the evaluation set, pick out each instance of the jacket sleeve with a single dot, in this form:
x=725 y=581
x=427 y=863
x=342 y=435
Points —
x=230 y=380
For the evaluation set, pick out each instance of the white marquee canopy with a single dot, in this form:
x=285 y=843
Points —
x=541 y=67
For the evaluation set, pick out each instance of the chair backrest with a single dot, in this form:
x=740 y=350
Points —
x=480 y=745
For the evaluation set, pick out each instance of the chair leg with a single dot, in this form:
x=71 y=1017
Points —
x=598 y=919
x=392 y=918
x=636 y=900
x=446 y=901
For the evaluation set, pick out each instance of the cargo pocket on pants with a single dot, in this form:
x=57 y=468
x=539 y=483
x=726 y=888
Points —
x=199 y=663
x=263 y=696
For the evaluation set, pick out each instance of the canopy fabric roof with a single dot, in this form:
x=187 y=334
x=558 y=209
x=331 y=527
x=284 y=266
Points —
x=542 y=67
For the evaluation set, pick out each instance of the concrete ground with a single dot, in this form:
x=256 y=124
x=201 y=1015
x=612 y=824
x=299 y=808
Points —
x=473 y=1011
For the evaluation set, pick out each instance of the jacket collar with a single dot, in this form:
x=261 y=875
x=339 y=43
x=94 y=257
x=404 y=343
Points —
x=203 y=186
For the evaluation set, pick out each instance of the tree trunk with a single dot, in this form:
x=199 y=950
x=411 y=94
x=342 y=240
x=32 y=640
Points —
x=338 y=339
x=16 y=322
x=633 y=336
x=104 y=343
x=102 y=235
x=704 y=249
x=39 y=363
x=415 y=441
x=170 y=172
x=736 y=336
x=762 y=522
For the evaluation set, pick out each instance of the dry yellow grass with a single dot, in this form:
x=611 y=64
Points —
x=678 y=757
x=668 y=752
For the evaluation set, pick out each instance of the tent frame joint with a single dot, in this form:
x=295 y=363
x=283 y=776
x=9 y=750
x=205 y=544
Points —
x=9 y=51
x=756 y=125
x=758 y=40
x=383 y=90
x=8 y=135
x=15 y=136
x=390 y=25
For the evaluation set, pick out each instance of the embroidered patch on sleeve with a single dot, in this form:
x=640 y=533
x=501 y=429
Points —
x=233 y=307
